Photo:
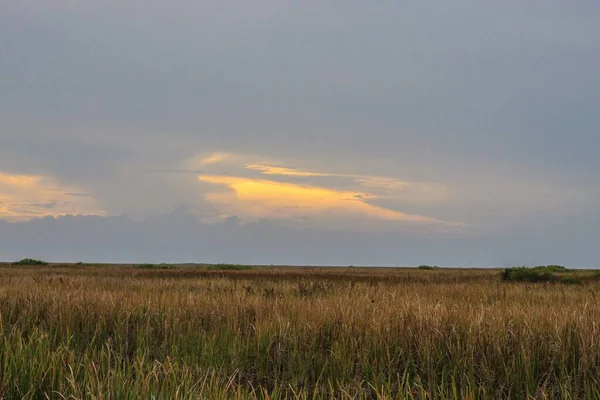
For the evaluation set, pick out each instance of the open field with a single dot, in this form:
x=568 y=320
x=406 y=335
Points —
x=84 y=331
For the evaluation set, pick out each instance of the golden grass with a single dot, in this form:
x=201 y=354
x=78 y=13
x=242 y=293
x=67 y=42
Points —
x=192 y=332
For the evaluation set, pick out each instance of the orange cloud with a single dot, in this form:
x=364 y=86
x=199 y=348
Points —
x=259 y=198
x=19 y=180
x=24 y=197
x=271 y=170
x=418 y=192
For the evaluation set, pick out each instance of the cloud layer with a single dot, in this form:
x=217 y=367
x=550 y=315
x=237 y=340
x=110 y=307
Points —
x=180 y=237
x=420 y=118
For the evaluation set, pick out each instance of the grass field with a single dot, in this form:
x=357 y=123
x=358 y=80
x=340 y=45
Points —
x=220 y=332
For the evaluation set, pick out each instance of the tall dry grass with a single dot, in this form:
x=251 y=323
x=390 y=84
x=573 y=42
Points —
x=121 y=332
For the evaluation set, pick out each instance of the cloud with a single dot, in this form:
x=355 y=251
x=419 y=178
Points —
x=496 y=129
x=260 y=198
x=203 y=160
x=273 y=170
x=250 y=188
x=24 y=197
x=379 y=186
x=179 y=237
x=246 y=186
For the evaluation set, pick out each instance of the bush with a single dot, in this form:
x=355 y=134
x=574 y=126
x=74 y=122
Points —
x=154 y=266
x=427 y=267
x=570 y=280
x=556 y=268
x=525 y=274
x=227 y=267
x=30 y=261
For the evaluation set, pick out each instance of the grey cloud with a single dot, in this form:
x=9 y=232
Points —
x=318 y=76
x=73 y=160
x=179 y=237
x=494 y=101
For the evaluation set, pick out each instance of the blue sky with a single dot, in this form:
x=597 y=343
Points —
x=447 y=125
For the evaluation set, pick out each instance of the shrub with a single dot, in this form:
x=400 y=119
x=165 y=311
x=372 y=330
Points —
x=154 y=266
x=525 y=274
x=556 y=268
x=227 y=267
x=570 y=280
x=30 y=261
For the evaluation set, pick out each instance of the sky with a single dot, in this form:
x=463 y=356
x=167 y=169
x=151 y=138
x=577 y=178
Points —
x=460 y=133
